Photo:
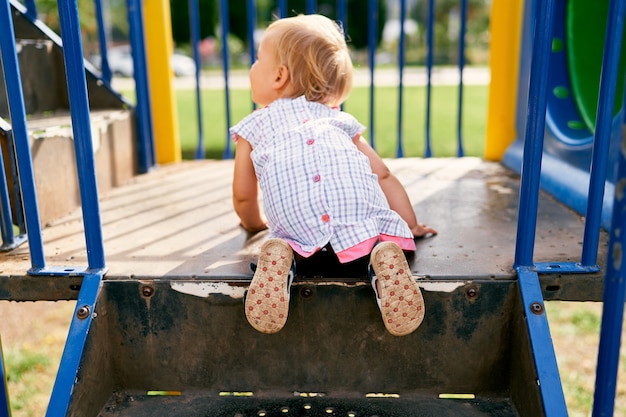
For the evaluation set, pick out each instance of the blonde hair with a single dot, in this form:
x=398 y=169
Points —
x=314 y=50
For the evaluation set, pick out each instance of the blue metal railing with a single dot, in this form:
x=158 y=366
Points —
x=527 y=269
x=194 y=24
x=608 y=356
x=430 y=42
x=228 y=152
x=83 y=143
x=372 y=43
x=536 y=320
x=372 y=19
x=5 y=409
x=20 y=135
x=10 y=240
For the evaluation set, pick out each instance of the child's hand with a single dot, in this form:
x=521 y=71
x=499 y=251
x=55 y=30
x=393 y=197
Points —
x=421 y=230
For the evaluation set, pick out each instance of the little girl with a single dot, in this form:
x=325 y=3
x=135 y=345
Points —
x=322 y=183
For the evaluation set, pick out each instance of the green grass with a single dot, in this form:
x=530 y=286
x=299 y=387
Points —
x=443 y=119
x=25 y=371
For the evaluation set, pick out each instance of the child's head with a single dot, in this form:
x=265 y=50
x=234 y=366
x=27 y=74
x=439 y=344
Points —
x=314 y=53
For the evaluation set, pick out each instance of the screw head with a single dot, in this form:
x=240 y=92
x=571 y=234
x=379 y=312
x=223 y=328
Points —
x=536 y=308
x=147 y=291
x=307 y=292
x=471 y=292
x=83 y=312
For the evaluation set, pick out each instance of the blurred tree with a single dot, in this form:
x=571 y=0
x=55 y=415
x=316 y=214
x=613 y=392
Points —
x=180 y=19
x=357 y=16
x=447 y=26
x=47 y=12
x=266 y=11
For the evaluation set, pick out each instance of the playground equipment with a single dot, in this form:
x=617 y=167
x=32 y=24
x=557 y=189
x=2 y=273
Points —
x=159 y=329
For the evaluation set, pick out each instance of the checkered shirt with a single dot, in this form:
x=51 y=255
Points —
x=317 y=187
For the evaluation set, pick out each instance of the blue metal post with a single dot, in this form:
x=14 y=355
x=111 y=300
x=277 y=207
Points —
x=105 y=69
x=31 y=9
x=311 y=6
x=372 y=13
x=20 y=134
x=194 y=20
x=459 y=123
x=613 y=299
x=17 y=193
x=6 y=219
x=401 y=59
x=604 y=116
x=81 y=127
x=342 y=17
x=228 y=152
x=74 y=346
x=145 y=148
x=251 y=7
x=282 y=8
x=535 y=125
x=342 y=14
x=548 y=377
x=5 y=409
x=430 y=28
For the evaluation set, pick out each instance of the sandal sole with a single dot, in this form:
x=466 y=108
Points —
x=401 y=300
x=267 y=300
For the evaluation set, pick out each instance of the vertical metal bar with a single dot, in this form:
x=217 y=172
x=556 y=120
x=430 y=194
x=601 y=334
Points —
x=17 y=193
x=401 y=60
x=31 y=9
x=372 y=26
x=251 y=8
x=228 y=153
x=613 y=298
x=74 y=346
x=6 y=219
x=342 y=17
x=548 y=377
x=342 y=14
x=145 y=148
x=430 y=28
x=459 y=123
x=194 y=21
x=602 y=139
x=282 y=8
x=535 y=125
x=81 y=127
x=5 y=409
x=311 y=6
x=20 y=134
x=105 y=68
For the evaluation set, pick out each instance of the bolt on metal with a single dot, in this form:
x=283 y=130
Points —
x=83 y=312
x=147 y=291
x=536 y=308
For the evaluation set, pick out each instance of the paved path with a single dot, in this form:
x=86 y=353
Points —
x=383 y=77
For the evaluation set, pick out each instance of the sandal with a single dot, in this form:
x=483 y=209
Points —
x=267 y=298
x=400 y=300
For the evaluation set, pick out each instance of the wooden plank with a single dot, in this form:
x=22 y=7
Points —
x=177 y=222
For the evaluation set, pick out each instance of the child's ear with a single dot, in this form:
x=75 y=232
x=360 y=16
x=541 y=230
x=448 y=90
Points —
x=281 y=79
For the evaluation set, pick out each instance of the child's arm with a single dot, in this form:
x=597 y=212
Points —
x=245 y=189
x=396 y=195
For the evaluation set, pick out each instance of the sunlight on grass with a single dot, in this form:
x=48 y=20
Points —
x=443 y=119
x=575 y=329
x=33 y=338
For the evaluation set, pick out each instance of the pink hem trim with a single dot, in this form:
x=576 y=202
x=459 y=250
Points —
x=361 y=249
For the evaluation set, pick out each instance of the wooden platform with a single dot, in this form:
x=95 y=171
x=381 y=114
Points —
x=177 y=222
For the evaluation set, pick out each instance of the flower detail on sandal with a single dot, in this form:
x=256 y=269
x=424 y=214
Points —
x=398 y=296
x=267 y=298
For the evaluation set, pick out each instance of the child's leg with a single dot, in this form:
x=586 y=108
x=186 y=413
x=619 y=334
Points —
x=398 y=295
x=267 y=300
